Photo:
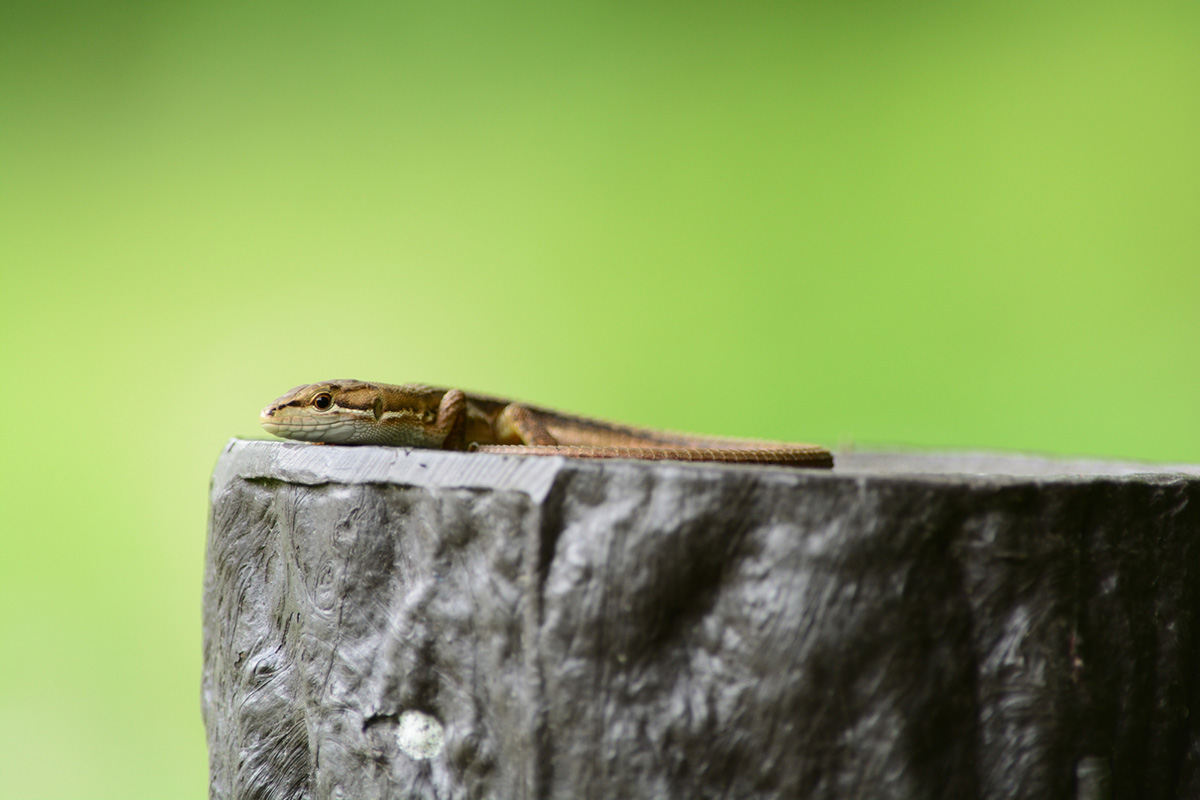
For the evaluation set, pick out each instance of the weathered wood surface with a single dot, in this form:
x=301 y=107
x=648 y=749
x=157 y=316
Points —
x=903 y=627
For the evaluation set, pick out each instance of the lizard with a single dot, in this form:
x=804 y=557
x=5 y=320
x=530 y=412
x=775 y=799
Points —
x=414 y=415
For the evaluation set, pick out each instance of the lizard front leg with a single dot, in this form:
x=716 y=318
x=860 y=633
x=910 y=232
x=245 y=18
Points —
x=452 y=418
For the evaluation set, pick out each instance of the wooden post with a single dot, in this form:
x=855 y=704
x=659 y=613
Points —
x=390 y=623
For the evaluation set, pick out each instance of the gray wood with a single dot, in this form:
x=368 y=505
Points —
x=907 y=626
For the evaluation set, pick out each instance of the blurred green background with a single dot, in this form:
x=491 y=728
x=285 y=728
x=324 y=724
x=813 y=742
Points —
x=942 y=226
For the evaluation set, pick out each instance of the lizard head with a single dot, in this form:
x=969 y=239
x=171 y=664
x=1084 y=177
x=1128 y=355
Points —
x=337 y=412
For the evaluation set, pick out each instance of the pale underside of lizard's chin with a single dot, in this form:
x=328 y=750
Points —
x=333 y=429
x=330 y=430
x=336 y=427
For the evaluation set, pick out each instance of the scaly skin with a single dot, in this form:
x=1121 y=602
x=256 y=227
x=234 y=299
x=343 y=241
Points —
x=412 y=415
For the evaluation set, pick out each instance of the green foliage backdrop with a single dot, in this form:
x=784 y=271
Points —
x=940 y=225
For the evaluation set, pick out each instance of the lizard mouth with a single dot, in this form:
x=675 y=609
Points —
x=307 y=429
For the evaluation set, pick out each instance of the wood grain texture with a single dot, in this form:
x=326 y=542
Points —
x=592 y=629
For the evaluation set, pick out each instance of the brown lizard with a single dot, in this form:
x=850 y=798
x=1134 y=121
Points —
x=412 y=415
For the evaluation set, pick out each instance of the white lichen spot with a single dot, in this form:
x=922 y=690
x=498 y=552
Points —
x=419 y=735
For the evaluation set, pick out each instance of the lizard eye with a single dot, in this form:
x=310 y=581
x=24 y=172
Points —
x=322 y=401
